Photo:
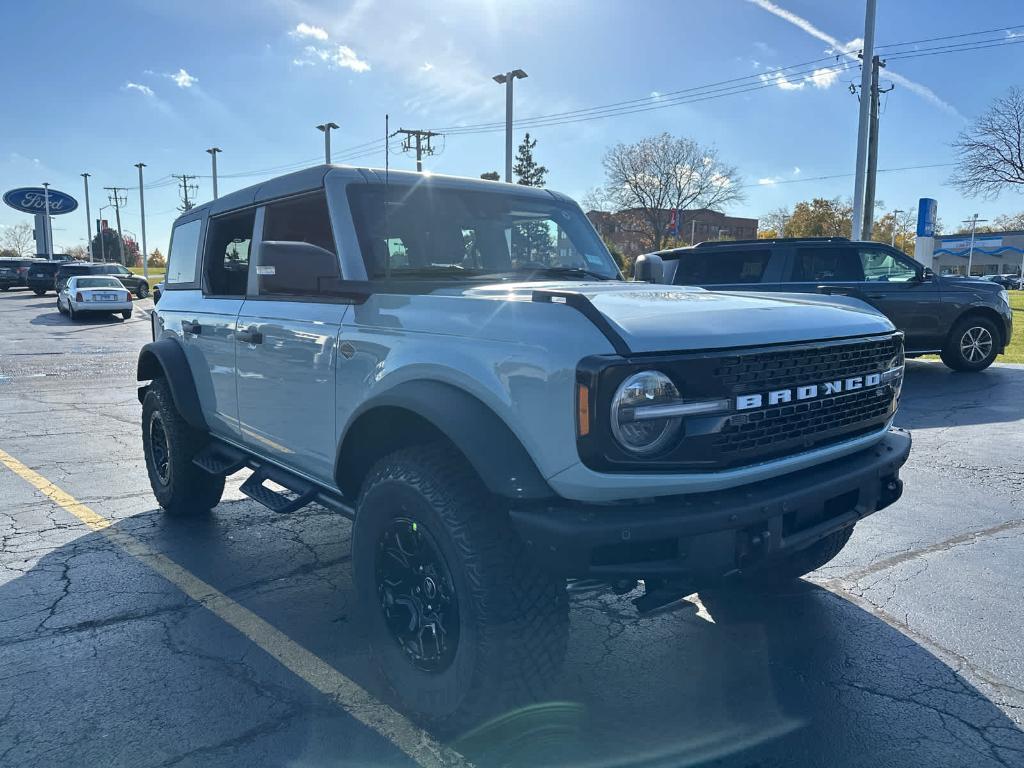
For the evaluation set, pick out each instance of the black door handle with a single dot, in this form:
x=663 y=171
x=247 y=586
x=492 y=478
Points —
x=250 y=335
x=191 y=327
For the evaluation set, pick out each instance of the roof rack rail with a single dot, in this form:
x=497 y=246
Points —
x=719 y=243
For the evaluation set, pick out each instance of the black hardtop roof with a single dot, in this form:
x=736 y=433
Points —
x=309 y=179
x=675 y=253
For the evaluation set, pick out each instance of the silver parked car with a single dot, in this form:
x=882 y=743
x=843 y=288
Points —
x=458 y=367
x=85 y=294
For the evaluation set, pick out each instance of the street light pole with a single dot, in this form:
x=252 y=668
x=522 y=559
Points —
x=973 y=221
x=213 y=159
x=507 y=79
x=326 y=128
x=895 y=223
x=99 y=232
x=142 y=213
x=88 y=216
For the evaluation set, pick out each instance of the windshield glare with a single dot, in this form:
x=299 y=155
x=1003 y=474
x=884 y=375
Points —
x=425 y=231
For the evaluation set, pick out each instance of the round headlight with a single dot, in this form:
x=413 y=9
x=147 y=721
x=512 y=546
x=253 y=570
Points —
x=631 y=425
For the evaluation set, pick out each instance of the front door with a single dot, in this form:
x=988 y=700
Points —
x=896 y=286
x=287 y=339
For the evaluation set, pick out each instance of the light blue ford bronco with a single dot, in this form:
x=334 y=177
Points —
x=458 y=367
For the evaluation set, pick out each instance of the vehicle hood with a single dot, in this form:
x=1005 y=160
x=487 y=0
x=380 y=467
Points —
x=654 y=318
x=967 y=284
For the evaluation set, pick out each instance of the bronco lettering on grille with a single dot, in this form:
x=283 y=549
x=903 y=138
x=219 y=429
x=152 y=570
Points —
x=808 y=391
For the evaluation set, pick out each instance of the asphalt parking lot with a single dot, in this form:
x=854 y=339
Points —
x=129 y=638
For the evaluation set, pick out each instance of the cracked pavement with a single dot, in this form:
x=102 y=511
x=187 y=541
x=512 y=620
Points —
x=904 y=651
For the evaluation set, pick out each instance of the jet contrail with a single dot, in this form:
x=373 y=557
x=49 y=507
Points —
x=850 y=51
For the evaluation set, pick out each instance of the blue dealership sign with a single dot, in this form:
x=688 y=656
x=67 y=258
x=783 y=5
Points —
x=927 y=209
x=33 y=200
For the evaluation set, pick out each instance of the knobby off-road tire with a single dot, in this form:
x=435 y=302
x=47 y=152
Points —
x=512 y=618
x=971 y=345
x=170 y=444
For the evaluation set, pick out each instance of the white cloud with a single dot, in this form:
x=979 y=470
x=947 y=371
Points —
x=849 y=51
x=183 y=79
x=426 y=66
x=145 y=90
x=340 y=57
x=823 y=78
x=796 y=170
x=769 y=181
x=1010 y=34
x=656 y=96
x=782 y=82
x=302 y=29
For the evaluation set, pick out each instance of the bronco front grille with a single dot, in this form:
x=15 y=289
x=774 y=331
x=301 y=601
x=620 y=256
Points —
x=751 y=434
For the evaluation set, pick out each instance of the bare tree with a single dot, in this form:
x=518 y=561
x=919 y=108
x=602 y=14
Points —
x=774 y=221
x=990 y=153
x=18 y=237
x=661 y=174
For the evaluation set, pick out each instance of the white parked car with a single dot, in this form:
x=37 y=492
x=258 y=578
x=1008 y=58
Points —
x=87 y=293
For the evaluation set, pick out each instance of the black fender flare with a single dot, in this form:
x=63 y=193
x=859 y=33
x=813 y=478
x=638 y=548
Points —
x=483 y=437
x=166 y=358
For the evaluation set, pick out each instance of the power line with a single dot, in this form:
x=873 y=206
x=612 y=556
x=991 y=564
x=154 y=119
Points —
x=186 y=186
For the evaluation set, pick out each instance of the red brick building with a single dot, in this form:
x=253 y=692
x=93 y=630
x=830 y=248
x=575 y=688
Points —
x=627 y=231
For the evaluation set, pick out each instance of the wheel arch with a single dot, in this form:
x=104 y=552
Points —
x=418 y=412
x=166 y=359
x=989 y=314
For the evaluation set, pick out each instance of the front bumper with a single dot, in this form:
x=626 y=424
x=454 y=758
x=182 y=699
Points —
x=703 y=538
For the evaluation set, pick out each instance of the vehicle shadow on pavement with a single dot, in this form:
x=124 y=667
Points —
x=936 y=396
x=56 y=318
x=89 y=635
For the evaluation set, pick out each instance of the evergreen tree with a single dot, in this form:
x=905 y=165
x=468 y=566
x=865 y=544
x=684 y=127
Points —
x=532 y=241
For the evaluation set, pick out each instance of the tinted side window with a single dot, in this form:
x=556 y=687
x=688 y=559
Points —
x=181 y=262
x=226 y=256
x=824 y=265
x=298 y=256
x=885 y=266
x=699 y=267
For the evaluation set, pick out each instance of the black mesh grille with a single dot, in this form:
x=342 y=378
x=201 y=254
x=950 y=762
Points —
x=794 y=367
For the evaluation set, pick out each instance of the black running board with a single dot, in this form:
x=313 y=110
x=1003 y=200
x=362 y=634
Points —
x=219 y=458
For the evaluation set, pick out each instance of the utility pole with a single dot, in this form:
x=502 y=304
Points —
x=693 y=231
x=88 y=216
x=420 y=140
x=895 y=225
x=142 y=214
x=326 y=128
x=973 y=221
x=864 y=119
x=870 y=183
x=507 y=79
x=117 y=200
x=213 y=158
x=186 y=185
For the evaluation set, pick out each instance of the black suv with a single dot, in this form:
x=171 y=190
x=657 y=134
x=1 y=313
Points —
x=41 y=273
x=967 y=322
x=12 y=272
x=137 y=285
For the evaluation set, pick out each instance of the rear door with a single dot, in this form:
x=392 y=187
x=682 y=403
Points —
x=207 y=324
x=288 y=336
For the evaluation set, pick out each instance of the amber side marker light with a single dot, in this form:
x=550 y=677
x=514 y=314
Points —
x=582 y=410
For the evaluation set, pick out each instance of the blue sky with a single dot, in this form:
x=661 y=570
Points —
x=100 y=86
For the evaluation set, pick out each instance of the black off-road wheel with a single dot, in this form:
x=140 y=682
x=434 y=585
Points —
x=971 y=345
x=170 y=444
x=462 y=626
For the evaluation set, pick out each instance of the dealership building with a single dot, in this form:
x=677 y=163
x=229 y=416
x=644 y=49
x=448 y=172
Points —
x=995 y=253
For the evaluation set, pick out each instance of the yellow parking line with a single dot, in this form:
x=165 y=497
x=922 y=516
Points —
x=348 y=694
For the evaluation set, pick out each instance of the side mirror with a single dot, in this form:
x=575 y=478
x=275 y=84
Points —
x=928 y=273
x=648 y=268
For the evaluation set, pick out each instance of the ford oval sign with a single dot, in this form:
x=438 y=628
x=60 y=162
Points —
x=33 y=200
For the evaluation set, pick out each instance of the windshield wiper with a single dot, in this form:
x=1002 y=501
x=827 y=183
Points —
x=579 y=272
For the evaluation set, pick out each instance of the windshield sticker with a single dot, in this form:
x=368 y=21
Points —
x=268 y=270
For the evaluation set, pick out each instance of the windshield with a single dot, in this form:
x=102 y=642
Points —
x=98 y=282
x=424 y=231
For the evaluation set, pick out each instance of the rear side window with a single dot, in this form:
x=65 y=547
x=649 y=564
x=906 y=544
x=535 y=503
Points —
x=297 y=254
x=181 y=262
x=827 y=265
x=713 y=266
x=226 y=255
